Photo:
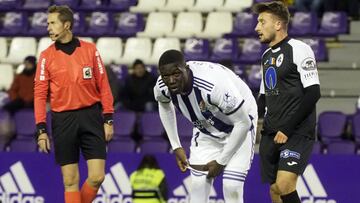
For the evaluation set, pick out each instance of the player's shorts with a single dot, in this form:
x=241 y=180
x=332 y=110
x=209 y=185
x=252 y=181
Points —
x=76 y=130
x=292 y=156
x=205 y=148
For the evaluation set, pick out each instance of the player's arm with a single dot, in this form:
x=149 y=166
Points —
x=228 y=99
x=41 y=88
x=107 y=99
x=306 y=66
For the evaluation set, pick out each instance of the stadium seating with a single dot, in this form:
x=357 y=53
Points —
x=235 y=5
x=10 y=4
x=121 y=71
x=92 y=4
x=79 y=23
x=331 y=126
x=333 y=24
x=110 y=49
x=317 y=148
x=25 y=124
x=129 y=24
x=177 y=6
x=3 y=48
x=120 y=5
x=185 y=127
x=187 y=25
x=43 y=44
x=6 y=76
x=217 y=24
x=254 y=78
x=206 y=5
x=243 y=26
x=36 y=4
x=251 y=51
x=356 y=127
x=225 y=49
x=23 y=145
x=146 y=6
x=38 y=25
x=137 y=48
x=14 y=23
x=196 y=49
x=20 y=48
x=157 y=25
x=343 y=148
x=150 y=126
x=71 y=3
x=160 y=46
x=100 y=23
x=154 y=146
x=303 y=24
x=122 y=146
x=124 y=124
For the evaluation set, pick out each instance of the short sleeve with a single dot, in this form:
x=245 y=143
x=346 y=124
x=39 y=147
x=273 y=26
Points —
x=161 y=92
x=262 y=87
x=306 y=65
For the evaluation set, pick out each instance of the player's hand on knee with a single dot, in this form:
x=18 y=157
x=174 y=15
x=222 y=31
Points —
x=181 y=159
x=280 y=138
x=43 y=142
x=214 y=169
x=109 y=131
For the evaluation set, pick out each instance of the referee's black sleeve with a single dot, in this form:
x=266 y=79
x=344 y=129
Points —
x=308 y=103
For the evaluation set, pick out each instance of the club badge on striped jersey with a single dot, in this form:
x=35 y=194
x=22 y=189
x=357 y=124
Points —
x=87 y=73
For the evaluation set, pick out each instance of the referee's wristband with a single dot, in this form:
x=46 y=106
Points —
x=40 y=129
x=108 y=118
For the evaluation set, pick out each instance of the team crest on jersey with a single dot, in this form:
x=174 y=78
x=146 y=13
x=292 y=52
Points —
x=308 y=64
x=230 y=102
x=87 y=73
x=279 y=60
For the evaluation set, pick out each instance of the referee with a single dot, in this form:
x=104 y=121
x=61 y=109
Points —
x=72 y=73
x=290 y=89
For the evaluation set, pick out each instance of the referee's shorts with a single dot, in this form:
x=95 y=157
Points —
x=75 y=130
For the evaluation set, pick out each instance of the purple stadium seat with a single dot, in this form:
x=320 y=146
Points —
x=38 y=26
x=153 y=70
x=154 y=146
x=331 y=125
x=124 y=123
x=129 y=24
x=225 y=49
x=100 y=23
x=303 y=24
x=92 y=4
x=333 y=24
x=10 y=4
x=319 y=48
x=356 y=127
x=79 y=24
x=196 y=49
x=150 y=125
x=239 y=69
x=123 y=146
x=244 y=24
x=2 y=145
x=25 y=123
x=251 y=52
x=185 y=127
x=14 y=23
x=71 y=3
x=344 y=147
x=317 y=148
x=20 y=145
x=121 y=71
x=121 y=5
x=254 y=78
x=36 y=4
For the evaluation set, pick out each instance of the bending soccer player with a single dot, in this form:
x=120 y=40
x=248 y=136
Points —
x=224 y=114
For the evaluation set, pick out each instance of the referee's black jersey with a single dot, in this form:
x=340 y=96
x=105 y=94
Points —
x=287 y=68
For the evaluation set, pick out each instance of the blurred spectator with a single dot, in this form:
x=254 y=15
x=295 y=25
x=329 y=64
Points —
x=114 y=84
x=21 y=92
x=148 y=182
x=137 y=93
x=310 y=6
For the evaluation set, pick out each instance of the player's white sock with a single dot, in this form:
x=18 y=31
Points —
x=233 y=191
x=200 y=188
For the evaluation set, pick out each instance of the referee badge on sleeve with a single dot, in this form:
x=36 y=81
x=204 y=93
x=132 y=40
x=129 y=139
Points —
x=87 y=73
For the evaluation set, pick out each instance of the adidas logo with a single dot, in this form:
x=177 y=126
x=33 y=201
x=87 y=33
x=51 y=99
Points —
x=15 y=186
x=310 y=188
x=182 y=193
x=116 y=186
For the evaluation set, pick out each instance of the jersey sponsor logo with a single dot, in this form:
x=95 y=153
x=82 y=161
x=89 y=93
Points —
x=308 y=64
x=230 y=102
x=87 y=72
x=270 y=78
x=99 y=63
x=279 y=60
x=15 y=186
x=288 y=153
x=42 y=69
x=116 y=186
x=181 y=193
x=310 y=188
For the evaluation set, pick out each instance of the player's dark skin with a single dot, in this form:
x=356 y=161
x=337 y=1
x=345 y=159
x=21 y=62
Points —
x=176 y=77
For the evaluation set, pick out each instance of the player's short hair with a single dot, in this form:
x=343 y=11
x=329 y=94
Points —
x=171 y=56
x=65 y=13
x=276 y=8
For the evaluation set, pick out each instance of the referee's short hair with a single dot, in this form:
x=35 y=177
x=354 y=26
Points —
x=65 y=13
x=171 y=56
x=277 y=8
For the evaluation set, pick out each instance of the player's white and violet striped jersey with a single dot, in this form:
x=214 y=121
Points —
x=217 y=93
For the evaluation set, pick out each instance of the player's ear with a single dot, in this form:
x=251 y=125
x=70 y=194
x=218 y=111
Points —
x=67 y=25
